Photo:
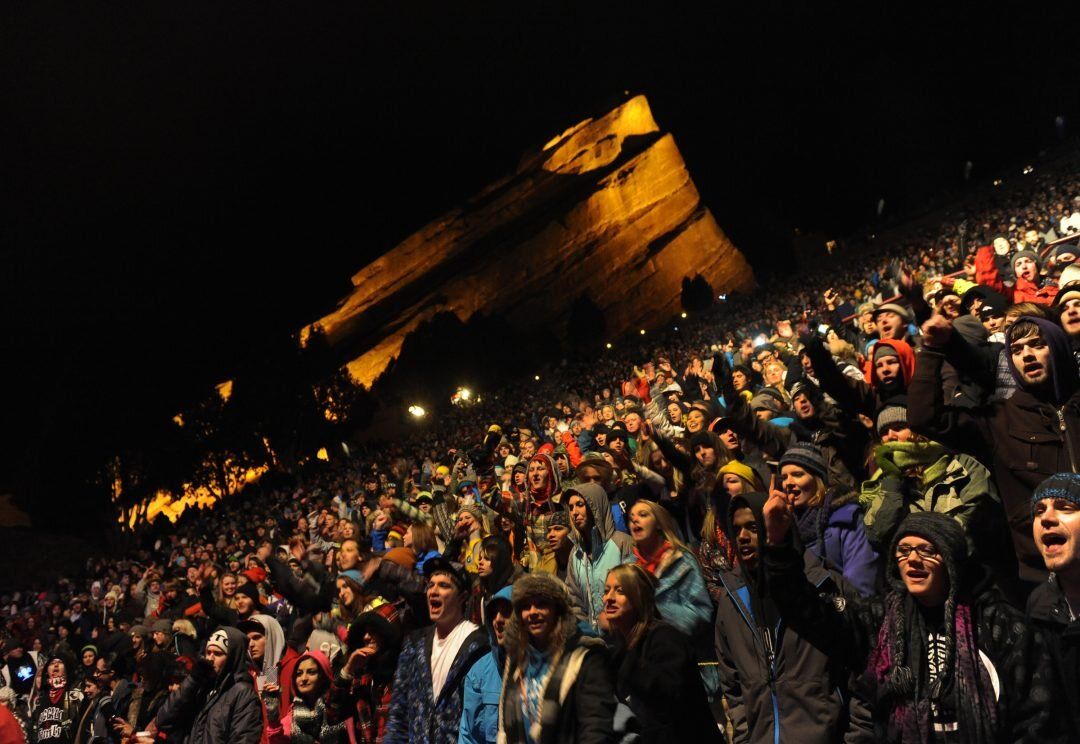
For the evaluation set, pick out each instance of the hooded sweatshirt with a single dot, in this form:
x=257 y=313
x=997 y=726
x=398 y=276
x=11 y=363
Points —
x=586 y=572
x=311 y=722
x=777 y=684
x=1065 y=377
x=273 y=651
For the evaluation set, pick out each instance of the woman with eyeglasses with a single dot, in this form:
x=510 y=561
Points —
x=945 y=657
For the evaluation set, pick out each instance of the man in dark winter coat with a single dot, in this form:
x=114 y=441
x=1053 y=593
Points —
x=1025 y=439
x=778 y=686
x=1054 y=605
x=217 y=703
x=430 y=678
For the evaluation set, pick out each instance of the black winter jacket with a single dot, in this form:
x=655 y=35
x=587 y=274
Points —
x=659 y=680
x=579 y=699
x=1023 y=440
x=800 y=694
x=846 y=628
x=1049 y=612
x=221 y=710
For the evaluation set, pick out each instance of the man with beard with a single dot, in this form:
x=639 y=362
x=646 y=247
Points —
x=1024 y=439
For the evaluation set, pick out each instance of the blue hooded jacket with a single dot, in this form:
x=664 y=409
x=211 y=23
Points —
x=483 y=684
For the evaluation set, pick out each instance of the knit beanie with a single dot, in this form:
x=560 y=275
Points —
x=740 y=469
x=1066 y=249
x=702 y=438
x=891 y=415
x=1064 y=486
x=769 y=399
x=1025 y=254
x=249 y=589
x=474 y=511
x=352 y=575
x=559 y=519
x=884 y=350
x=807 y=456
x=1067 y=292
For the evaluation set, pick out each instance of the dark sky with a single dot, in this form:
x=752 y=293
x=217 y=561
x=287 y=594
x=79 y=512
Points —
x=185 y=179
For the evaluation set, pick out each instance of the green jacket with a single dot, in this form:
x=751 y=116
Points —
x=956 y=485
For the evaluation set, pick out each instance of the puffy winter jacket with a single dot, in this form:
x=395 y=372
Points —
x=225 y=710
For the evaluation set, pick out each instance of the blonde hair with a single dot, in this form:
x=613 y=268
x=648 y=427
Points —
x=819 y=495
x=185 y=627
x=666 y=523
x=708 y=525
x=639 y=586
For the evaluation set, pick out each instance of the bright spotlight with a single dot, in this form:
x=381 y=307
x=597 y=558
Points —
x=417 y=411
x=608 y=344
x=683 y=315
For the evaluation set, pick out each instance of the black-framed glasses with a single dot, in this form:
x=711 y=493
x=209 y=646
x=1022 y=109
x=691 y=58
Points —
x=926 y=552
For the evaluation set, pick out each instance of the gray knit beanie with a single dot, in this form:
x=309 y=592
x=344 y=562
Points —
x=891 y=415
x=808 y=456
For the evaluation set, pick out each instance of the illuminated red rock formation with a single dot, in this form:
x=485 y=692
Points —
x=606 y=210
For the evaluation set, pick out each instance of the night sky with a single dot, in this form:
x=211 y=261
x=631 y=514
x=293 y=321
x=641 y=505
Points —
x=184 y=180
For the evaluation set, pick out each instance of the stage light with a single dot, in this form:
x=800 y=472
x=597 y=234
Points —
x=417 y=411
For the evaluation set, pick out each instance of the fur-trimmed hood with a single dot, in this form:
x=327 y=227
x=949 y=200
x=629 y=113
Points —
x=516 y=638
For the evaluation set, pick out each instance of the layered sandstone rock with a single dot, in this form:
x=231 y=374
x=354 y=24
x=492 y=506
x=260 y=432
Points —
x=606 y=210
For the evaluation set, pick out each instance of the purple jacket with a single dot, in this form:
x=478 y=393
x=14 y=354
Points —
x=847 y=548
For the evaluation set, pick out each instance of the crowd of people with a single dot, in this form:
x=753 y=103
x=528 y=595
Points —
x=843 y=508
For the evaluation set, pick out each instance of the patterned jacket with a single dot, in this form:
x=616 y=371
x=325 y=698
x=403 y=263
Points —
x=414 y=716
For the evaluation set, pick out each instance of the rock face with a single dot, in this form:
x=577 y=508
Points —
x=606 y=210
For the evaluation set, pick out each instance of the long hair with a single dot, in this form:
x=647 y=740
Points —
x=516 y=638
x=498 y=550
x=423 y=538
x=819 y=495
x=639 y=587
x=666 y=523
x=350 y=612
x=219 y=592
x=718 y=506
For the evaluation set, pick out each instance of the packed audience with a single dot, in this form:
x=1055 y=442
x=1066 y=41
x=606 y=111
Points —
x=843 y=508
